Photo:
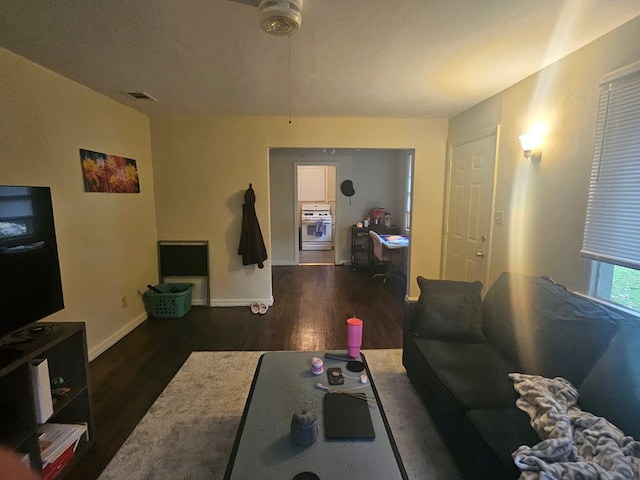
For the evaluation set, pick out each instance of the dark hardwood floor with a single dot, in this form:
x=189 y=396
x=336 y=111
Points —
x=311 y=304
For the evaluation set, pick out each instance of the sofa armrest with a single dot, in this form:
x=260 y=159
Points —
x=408 y=327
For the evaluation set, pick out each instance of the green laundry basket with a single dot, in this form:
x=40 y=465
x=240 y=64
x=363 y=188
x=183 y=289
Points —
x=173 y=301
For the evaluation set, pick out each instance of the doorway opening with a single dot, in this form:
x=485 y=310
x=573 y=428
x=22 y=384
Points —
x=316 y=211
x=381 y=180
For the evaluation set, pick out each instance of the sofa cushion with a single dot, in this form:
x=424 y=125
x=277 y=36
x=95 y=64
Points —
x=467 y=375
x=449 y=310
x=612 y=388
x=544 y=329
x=491 y=436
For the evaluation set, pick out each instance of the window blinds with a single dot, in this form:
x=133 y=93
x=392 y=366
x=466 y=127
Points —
x=612 y=227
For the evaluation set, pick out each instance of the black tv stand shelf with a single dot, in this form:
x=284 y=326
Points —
x=9 y=354
x=64 y=345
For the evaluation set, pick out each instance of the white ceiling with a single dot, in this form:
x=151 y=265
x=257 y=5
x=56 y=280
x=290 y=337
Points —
x=351 y=58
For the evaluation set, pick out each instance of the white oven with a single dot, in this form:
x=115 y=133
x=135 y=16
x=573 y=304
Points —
x=315 y=226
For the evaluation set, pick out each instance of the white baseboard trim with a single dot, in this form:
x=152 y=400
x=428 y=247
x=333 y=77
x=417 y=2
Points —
x=96 y=351
x=284 y=263
x=241 y=302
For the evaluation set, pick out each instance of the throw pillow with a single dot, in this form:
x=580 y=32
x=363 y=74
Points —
x=449 y=310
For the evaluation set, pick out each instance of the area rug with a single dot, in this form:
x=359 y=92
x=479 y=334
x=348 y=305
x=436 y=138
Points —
x=189 y=431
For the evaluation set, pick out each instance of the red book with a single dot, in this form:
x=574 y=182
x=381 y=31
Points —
x=52 y=470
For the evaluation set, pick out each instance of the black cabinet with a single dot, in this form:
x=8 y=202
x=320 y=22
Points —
x=361 y=245
x=64 y=346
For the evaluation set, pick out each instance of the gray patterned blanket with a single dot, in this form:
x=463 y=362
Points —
x=575 y=445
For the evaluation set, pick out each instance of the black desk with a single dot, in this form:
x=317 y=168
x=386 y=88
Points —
x=361 y=245
x=396 y=242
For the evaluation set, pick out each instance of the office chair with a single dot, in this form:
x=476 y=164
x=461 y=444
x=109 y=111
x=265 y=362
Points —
x=382 y=255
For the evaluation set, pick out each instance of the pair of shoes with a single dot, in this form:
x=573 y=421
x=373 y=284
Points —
x=260 y=308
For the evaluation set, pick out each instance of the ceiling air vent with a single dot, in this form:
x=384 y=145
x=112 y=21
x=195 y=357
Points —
x=141 y=96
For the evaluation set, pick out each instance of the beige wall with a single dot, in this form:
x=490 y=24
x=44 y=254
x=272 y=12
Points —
x=545 y=203
x=202 y=168
x=106 y=242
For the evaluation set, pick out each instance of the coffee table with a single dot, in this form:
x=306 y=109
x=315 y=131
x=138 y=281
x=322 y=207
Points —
x=283 y=384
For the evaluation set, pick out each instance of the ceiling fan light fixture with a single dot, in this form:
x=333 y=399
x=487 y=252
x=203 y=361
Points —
x=280 y=17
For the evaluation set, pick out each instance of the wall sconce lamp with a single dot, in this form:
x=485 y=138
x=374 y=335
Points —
x=530 y=143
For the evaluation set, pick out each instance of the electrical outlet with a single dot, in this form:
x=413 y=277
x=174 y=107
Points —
x=125 y=303
x=499 y=217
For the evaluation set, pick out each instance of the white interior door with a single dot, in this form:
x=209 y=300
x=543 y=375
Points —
x=469 y=211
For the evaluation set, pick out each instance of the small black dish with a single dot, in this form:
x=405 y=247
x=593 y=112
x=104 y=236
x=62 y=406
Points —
x=355 y=366
x=306 y=476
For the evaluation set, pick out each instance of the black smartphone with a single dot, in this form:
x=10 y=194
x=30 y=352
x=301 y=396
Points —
x=334 y=375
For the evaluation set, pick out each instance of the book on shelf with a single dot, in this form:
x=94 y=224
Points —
x=56 y=438
x=52 y=470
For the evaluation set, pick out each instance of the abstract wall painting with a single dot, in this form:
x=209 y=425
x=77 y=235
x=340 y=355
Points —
x=109 y=173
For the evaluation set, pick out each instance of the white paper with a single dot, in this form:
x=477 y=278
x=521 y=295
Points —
x=41 y=389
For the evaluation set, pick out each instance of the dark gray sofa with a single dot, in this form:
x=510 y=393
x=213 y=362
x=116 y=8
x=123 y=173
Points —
x=459 y=348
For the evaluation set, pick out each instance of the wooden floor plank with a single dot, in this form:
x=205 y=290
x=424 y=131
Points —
x=311 y=304
x=317 y=257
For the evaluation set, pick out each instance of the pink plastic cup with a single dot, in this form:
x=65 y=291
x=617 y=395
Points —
x=354 y=336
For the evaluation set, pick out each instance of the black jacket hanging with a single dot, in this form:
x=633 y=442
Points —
x=251 y=246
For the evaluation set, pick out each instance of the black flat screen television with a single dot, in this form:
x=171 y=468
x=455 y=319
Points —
x=30 y=283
